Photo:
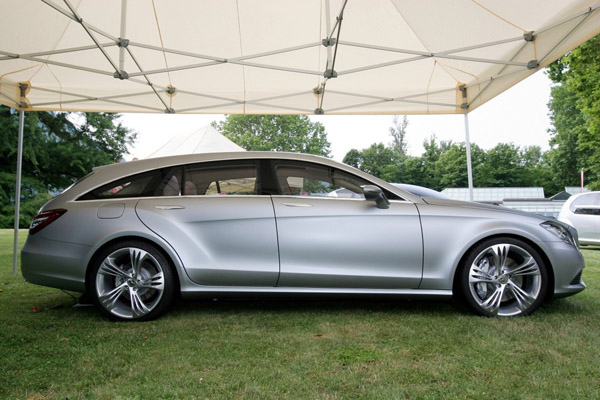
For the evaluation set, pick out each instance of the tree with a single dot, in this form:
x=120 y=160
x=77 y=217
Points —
x=451 y=167
x=58 y=148
x=536 y=169
x=295 y=133
x=575 y=114
x=378 y=160
x=386 y=162
x=398 y=134
x=428 y=161
x=501 y=167
x=444 y=164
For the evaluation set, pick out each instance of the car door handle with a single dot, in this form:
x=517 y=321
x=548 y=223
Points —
x=170 y=207
x=297 y=204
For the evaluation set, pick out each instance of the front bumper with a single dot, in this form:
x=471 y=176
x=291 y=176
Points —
x=567 y=265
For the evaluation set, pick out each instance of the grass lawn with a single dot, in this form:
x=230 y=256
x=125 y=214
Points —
x=270 y=349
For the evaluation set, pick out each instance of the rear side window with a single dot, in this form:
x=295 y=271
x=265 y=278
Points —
x=221 y=178
x=160 y=182
x=586 y=204
x=203 y=179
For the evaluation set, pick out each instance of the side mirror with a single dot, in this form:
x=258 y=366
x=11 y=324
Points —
x=374 y=193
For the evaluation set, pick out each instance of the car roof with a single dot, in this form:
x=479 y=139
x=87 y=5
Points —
x=108 y=173
x=576 y=196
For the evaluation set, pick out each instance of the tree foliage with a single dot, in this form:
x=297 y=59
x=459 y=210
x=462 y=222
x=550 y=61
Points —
x=377 y=160
x=444 y=164
x=58 y=148
x=398 y=134
x=575 y=114
x=295 y=133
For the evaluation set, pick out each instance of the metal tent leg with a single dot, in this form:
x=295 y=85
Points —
x=469 y=164
x=18 y=190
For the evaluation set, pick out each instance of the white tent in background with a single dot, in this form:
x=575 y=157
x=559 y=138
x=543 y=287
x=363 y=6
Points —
x=205 y=140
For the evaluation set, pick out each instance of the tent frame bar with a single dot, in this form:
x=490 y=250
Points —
x=585 y=16
x=329 y=42
x=232 y=102
x=164 y=103
x=566 y=35
x=91 y=35
x=11 y=56
x=243 y=61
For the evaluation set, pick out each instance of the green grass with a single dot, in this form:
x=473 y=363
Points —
x=270 y=349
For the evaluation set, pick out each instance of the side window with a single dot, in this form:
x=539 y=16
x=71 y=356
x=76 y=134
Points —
x=160 y=182
x=305 y=179
x=221 y=178
x=584 y=204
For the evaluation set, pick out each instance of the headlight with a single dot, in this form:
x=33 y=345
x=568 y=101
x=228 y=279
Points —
x=559 y=231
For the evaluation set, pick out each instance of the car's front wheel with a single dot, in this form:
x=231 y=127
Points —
x=504 y=277
x=131 y=281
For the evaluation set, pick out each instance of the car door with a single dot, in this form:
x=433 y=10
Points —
x=331 y=237
x=221 y=228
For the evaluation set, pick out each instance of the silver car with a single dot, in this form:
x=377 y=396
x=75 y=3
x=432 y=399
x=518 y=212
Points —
x=582 y=211
x=134 y=236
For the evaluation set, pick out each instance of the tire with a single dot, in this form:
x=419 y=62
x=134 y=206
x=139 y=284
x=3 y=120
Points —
x=131 y=281
x=503 y=277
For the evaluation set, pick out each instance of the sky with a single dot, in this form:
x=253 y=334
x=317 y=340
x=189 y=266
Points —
x=519 y=116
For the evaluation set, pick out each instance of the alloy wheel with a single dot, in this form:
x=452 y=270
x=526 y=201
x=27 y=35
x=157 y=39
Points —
x=130 y=283
x=505 y=279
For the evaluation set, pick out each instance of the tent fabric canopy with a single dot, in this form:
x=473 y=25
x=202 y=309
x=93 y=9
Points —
x=279 y=56
x=204 y=140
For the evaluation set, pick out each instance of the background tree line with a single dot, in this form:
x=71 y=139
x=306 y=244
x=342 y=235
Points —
x=443 y=164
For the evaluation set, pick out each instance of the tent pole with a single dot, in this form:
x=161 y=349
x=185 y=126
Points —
x=469 y=164
x=122 y=35
x=18 y=190
x=465 y=107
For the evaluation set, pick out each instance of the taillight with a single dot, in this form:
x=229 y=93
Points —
x=44 y=219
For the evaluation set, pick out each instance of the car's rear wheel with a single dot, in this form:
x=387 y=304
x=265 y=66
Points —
x=131 y=281
x=504 y=277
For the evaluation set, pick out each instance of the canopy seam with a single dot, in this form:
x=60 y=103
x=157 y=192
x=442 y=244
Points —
x=237 y=5
x=498 y=16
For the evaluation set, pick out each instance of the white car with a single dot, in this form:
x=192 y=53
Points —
x=582 y=211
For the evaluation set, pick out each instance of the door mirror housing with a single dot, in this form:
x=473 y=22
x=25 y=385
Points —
x=374 y=193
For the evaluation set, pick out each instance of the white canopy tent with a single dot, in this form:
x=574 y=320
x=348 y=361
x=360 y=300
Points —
x=279 y=56
x=204 y=140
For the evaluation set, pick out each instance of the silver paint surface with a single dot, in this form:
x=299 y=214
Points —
x=285 y=244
